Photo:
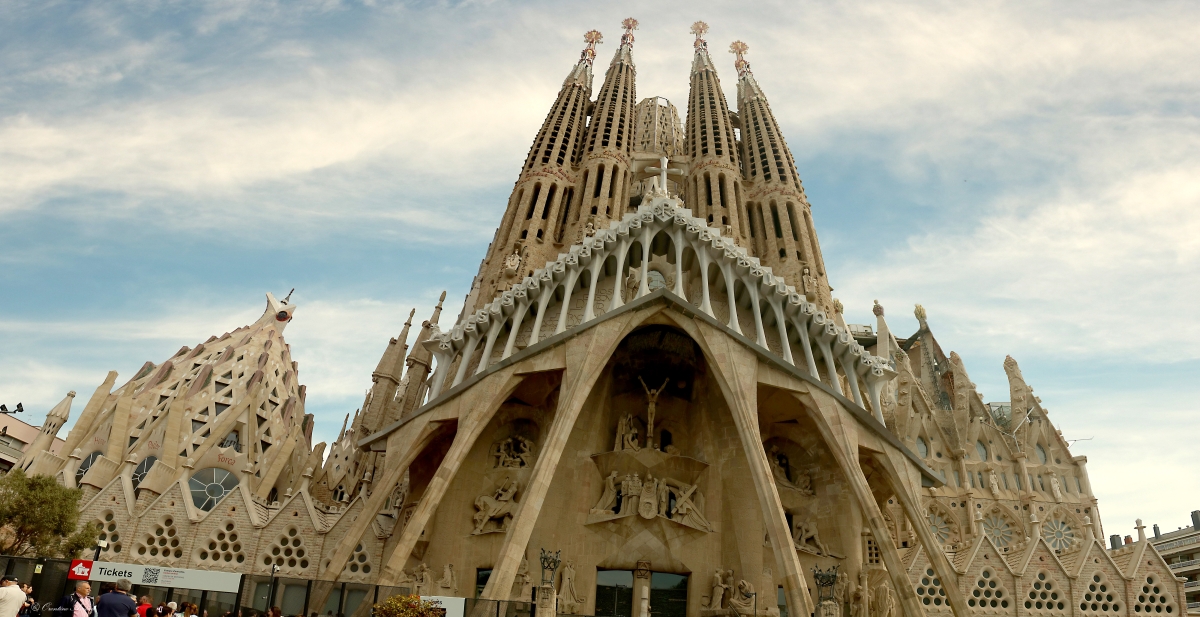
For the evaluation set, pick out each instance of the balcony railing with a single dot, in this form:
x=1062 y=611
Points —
x=1185 y=564
x=1191 y=584
x=1176 y=543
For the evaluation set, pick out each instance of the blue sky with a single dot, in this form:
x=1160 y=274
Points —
x=1029 y=172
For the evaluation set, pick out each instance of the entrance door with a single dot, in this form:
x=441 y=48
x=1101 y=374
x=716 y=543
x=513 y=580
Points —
x=614 y=593
x=668 y=595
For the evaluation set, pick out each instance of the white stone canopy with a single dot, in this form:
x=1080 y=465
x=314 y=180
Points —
x=804 y=332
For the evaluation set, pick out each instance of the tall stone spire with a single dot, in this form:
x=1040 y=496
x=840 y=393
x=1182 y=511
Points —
x=606 y=158
x=541 y=209
x=778 y=215
x=713 y=188
x=55 y=418
x=385 y=380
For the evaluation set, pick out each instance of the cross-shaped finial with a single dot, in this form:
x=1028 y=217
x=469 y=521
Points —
x=591 y=37
x=739 y=49
x=629 y=24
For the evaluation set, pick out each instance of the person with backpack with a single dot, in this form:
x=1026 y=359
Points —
x=78 y=604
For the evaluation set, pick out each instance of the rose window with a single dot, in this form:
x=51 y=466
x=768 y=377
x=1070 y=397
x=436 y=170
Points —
x=1058 y=534
x=997 y=528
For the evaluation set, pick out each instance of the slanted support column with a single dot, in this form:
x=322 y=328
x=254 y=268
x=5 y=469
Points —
x=586 y=356
x=619 y=276
x=494 y=331
x=843 y=443
x=568 y=289
x=543 y=300
x=906 y=492
x=467 y=353
x=806 y=343
x=677 y=240
x=510 y=344
x=476 y=407
x=738 y=380
x=705 y=296
x=391 y=475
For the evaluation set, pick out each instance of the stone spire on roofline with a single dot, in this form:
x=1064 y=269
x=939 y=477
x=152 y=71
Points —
x=712 y=188
x=55 y=418
x=779 y=217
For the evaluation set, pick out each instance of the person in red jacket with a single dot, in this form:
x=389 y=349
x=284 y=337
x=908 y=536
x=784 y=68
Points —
x=144 y=605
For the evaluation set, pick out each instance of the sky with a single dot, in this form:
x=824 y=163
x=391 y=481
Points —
x=1029 y=172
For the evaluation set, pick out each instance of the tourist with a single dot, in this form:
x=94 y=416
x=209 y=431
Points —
x=30 y=608
x=144 y=607
x=11 y=597
x=172 y=609
x=117 y=602
x=78 y=604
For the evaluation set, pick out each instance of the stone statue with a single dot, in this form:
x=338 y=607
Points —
x=448 y=584
x=423 y=580
x=652 y=400
x=524 y=450
x=608 y=498
x=499 y=454
x=522 y=582
x=648 y=504
x=718 y=590
x=1056 y=488
x=858 y=601
x=883 y=604
x=631 y=500
x=840 y=588
x=497 y=506
x=686 y=510
x=569 y=600
x=664 y=498
x=512 y=264
x=805 y=532
x=627 y=434
x=742 y=599
x=399 y=496
x=810 y=285
x=994 y=482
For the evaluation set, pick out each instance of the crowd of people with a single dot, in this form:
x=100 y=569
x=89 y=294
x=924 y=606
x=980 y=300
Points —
x=114 y=600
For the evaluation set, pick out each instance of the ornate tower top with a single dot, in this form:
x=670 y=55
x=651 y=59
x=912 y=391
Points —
x=629 y=24
x=739 y=49
x=699 y=29
x=592 y=38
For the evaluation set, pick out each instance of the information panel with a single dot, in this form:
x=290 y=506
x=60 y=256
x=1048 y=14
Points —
x=180 y=578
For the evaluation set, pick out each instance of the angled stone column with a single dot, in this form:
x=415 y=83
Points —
x=907 y=489
x=586 y=356
x=411 y=444
x=735 y=369
x=474 y=408
x=843 y=443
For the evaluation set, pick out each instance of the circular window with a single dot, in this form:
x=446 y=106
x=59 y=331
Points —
x=997 y=528
x=142 y=469
x=210 y=486
x=85 y=465
x=1058 y=534
x=939 y=526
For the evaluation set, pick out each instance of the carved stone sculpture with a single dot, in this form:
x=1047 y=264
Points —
x=1056 y=488
x=686 y=510
x=883 y=604
x=627 y=434
x=608 y=499
x=422 y=579
x=994 y=482
x=569 y=600
x=779 y=470
x=448 y=584
x=523 y=582
x=858 y=601
x=512 y=264
x=651 y=402
x=840 y=588
x=717 y=600
x=648 y=504
x=806 y=538
x=501 y=505
x=742 y=599
x=514 y=452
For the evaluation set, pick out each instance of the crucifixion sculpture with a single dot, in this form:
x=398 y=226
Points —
x=652 y=397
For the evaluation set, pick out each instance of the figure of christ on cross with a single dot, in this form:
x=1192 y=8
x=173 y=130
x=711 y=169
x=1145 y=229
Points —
x=652 y=396
x=662 y=170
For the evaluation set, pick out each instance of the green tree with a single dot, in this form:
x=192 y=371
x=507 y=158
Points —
x=40 y=517
x=409 y=606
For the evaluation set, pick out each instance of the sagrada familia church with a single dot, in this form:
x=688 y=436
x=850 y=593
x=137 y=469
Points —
x=651 y=379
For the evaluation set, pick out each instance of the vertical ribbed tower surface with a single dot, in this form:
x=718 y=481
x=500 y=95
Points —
x=713 y=188
x=606 y=158
x=779 y=217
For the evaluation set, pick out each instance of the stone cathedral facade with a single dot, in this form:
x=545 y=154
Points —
x=650 y=377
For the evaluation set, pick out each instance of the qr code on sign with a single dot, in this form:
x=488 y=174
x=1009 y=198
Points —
x=150 y=576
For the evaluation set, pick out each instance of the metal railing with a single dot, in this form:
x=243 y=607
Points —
x=1191 y=584
x=1185 y=564
x=1176 y=543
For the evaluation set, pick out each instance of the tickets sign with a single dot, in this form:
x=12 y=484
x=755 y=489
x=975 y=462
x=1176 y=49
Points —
x=179 y=578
